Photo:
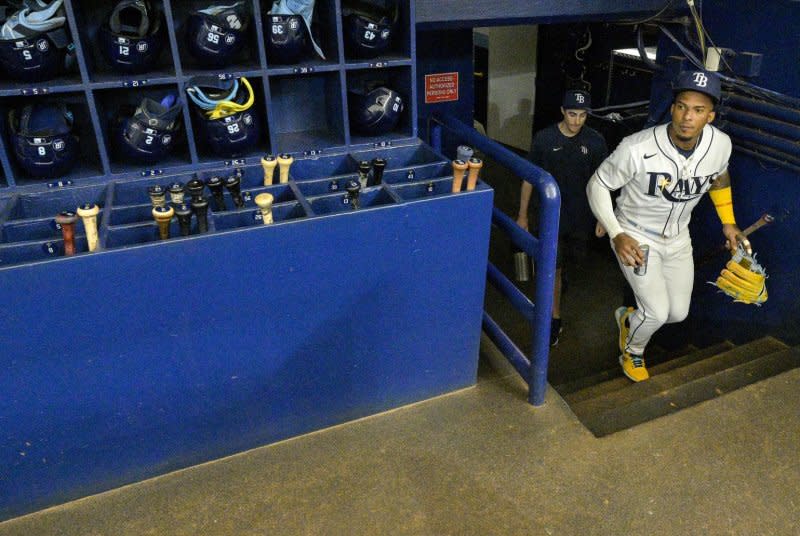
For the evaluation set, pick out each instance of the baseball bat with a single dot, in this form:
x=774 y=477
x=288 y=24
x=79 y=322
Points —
x=475 y=165
x=459 y=168
x=163 y=216
x=234 y=186
x=215 y=185
x=284 y=162
x=268 y=164
x=67 y=221
x=158 y=197
x=264 y=203
x=200 y=208
x=765 y=219
x=353 y=190
x=184 y=215
x=378 y=165
x=176 y=193
x=195 y=189
x=88 y=213
x=363 y=173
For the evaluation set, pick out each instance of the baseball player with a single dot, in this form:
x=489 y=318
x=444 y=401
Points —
x=570 y=151
x=662 y=173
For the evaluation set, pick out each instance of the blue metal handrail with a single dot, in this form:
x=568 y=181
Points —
x=533 y=369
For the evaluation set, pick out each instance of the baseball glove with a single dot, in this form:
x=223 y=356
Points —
x=743 y=279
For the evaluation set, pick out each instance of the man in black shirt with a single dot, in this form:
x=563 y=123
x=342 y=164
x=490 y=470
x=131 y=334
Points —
x=570 y=152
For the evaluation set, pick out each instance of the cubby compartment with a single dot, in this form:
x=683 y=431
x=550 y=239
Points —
x=361 y=35
x=288 y=46
x=41 y=62
x=370 y=197
x=46 y=159
x=116 y=104
x=38 y=229
x=216 y=43
x=307 y=112
x=241 y=135
x=42 y=250
x=49 y=203
x=424 y=189
x=322 y=167
x=246 y=218
x=419 y=158
x=124 y=57
x=370 y=120
x=136 y=234
x=417 y=173
x=324 y=186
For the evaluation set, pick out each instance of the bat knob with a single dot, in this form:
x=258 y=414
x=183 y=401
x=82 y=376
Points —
x=88 y=210
x=163 y=216
x=233 y=184
x=378 y=165
x=184 y=215
x=217 y=191
x=264 y=202
x=158 y=197
x=195 y=188
x=66 y=217
x=353 y=189
x=176 y=193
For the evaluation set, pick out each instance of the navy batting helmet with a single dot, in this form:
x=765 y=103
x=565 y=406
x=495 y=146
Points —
x=148 y=132
x=376 y=111
x=217 y=33
x=369 y=26
x=43 y=140
x=34 y=41
x=133 y=36
x=287 y=38
x=225 y=114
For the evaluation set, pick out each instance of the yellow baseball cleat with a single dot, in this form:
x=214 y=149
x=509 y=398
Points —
x=622 y=314
x=633 y=367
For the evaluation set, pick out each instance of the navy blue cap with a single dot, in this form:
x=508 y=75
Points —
x=575 y=99
x=704 y=82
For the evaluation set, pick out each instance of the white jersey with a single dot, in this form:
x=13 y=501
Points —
x=661 y=187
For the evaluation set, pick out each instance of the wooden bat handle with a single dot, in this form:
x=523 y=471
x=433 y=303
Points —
x=268 y=164
x=67 y=221
x=163 y=216
x=475 y=165
x=88 y=213
x=459 y=168
x=758 y=224
x=285 y=162
x=264 y=203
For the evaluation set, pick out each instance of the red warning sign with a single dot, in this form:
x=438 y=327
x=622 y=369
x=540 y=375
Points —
x=441 y=87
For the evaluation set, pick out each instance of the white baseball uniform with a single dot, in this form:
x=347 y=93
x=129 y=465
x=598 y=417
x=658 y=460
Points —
x=660 y=188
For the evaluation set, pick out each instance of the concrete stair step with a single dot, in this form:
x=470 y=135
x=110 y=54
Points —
x=657 y=384
x=654 y=355
x=621 y=382
x=693 y=392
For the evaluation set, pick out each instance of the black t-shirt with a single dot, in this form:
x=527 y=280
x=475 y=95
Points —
x=571 y=161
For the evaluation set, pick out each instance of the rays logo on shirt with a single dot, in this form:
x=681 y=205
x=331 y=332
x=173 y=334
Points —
x=683 y=190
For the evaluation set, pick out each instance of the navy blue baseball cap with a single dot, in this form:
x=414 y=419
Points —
x=575 y=99
x=704 y=82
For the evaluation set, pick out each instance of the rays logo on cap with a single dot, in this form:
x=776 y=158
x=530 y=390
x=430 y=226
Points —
x=700 y=79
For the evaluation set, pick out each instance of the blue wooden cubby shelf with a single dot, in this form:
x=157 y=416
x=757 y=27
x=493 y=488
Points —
x=151 y=355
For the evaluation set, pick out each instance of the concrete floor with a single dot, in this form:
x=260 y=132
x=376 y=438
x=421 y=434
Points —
x=482 y=461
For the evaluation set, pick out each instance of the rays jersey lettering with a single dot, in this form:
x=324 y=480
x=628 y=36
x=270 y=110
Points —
x=659 y=186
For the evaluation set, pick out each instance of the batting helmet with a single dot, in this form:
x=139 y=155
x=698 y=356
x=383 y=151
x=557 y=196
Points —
x=133 y=36
x=368 y=26
x=374 y=112
x=147 y=133
x=34 y=42
x=287 y=39
x=43 y=140
x=217 y=33
x=225 y=114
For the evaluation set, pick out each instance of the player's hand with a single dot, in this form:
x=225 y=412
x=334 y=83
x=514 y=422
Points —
x=734 y=237
x=628 y=250
x=522 y=221
x=599 y=230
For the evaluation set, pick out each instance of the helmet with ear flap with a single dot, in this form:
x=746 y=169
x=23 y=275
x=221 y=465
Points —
x=133 y=36
x=287 y=38
x=369 y=26
x=147 y=133
x=34 y=41
x=217 y=33
x=43 y=140
x=374 y=111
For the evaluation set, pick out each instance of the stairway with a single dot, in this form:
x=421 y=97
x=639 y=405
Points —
x=609 y=402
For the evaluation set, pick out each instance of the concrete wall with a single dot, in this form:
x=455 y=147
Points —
x=512 y=83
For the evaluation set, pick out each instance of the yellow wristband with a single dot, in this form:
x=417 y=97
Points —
x=723 y=202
